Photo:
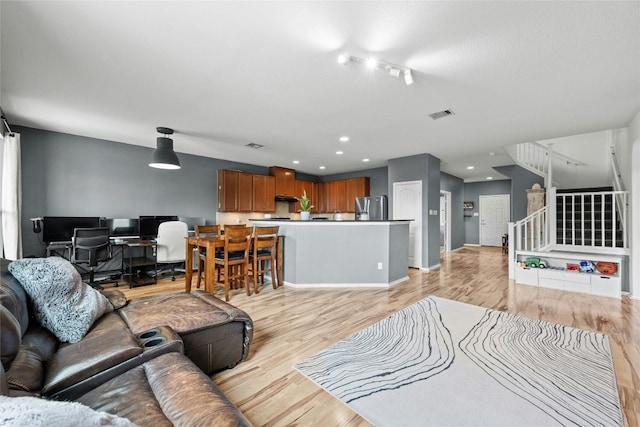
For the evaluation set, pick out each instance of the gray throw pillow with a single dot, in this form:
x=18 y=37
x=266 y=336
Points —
x=61 y=301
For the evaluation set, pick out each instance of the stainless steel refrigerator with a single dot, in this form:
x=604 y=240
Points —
x=371 y=208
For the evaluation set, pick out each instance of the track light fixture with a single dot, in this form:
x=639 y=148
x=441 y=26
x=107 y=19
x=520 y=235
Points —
x=408 y=77
x=371 y=62
x=163 y=157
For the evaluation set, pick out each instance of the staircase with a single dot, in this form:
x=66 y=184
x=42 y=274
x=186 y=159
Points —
x=589 y=218
x=593 y=220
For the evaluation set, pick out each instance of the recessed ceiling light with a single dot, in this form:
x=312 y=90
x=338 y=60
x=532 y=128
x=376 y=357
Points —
x=372 y=62
x=295 y=162
x=469 y=167
x=344 y=139
x=365 y=160
x=489 y=177
x=321 y=167
x=493 y=153
x=339 y=152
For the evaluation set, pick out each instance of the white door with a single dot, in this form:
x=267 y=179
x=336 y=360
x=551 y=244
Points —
x=407 y=204
x=494 y=219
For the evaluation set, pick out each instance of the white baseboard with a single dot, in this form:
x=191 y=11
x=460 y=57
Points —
x=345 y=285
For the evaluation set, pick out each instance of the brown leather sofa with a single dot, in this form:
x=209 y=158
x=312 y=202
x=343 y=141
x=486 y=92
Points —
x=128 y=365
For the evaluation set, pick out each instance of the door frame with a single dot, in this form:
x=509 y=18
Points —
x=447 y=219
x=507 y=196
x=418 y=239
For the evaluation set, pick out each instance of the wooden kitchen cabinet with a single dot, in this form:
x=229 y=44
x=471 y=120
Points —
x=340 y=195
x=285 y=181
x=264 y=193
x=235 y=191
x=312 y=194
x=355 y=187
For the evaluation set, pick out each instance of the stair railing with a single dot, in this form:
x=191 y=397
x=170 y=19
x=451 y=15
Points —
x=590 y=225
x=532 y=232
x=534 y=157
x=618 y=185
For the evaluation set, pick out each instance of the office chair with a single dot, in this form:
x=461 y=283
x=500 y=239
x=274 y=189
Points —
x=171 y=244
x=91 y=246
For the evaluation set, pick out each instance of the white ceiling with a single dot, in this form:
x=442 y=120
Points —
x=225 y=74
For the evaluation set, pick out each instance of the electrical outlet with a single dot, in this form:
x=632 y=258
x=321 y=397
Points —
x=379 y=266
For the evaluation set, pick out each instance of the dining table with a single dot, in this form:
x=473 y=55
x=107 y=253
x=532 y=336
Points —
x=210 y=243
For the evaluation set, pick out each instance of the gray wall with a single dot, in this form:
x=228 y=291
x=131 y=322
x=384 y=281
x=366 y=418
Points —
x=455 y=186
x=67 y=175
x=521 y=180
x=425 y=168
x=472 y=192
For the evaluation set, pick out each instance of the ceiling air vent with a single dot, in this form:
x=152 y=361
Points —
x=441 y=114
x=254 y=145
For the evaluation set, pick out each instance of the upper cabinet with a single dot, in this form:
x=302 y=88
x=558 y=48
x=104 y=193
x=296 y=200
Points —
x=235 y=191
x=355 y=187
x=285 y=181
x=264 y=193
x=245 y=192
x=340 y=195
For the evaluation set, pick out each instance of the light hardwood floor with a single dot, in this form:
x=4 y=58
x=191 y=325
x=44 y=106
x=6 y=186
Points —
x=292 y=324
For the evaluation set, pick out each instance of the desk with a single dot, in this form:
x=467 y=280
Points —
x=210 y=243
x=56 y=248
x=134 y=264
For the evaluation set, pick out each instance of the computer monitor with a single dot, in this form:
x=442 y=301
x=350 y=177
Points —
x=123 y=227
x=60 y=228
x=161 y=219
x=149 y=225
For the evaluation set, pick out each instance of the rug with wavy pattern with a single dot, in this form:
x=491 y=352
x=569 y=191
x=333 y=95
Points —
x=445 y=363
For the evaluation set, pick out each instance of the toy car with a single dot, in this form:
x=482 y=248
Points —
x=587 y=267
x=535 y=262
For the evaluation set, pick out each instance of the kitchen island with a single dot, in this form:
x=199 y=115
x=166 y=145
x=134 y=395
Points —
x=343 y=253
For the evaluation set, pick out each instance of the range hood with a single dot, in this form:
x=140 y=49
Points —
x=286 y=199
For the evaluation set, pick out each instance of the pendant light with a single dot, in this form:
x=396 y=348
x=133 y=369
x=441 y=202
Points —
x=163 y=156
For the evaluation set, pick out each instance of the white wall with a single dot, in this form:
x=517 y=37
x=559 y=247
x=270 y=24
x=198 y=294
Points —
x=592 y=149
x=633 y=164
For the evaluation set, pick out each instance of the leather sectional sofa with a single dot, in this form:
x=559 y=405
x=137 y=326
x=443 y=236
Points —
x=146 y=363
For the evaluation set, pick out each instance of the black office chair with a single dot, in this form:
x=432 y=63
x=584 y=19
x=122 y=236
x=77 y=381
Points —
x=91 y=246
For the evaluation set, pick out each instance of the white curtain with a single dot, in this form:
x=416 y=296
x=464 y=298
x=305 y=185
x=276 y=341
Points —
x=11 y=197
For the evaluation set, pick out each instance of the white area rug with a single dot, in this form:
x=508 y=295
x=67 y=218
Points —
x=443 y=363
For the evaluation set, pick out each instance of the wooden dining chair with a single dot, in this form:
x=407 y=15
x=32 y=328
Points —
x=204 y=231
x=263 y=255
x=233 y=283
x=234 y=259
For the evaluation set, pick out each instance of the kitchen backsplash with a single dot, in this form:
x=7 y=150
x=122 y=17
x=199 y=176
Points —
x=282 y=211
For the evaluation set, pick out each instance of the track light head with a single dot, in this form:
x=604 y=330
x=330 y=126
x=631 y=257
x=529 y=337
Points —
x=344 y=58
x=371 y=62
x=408 y=77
